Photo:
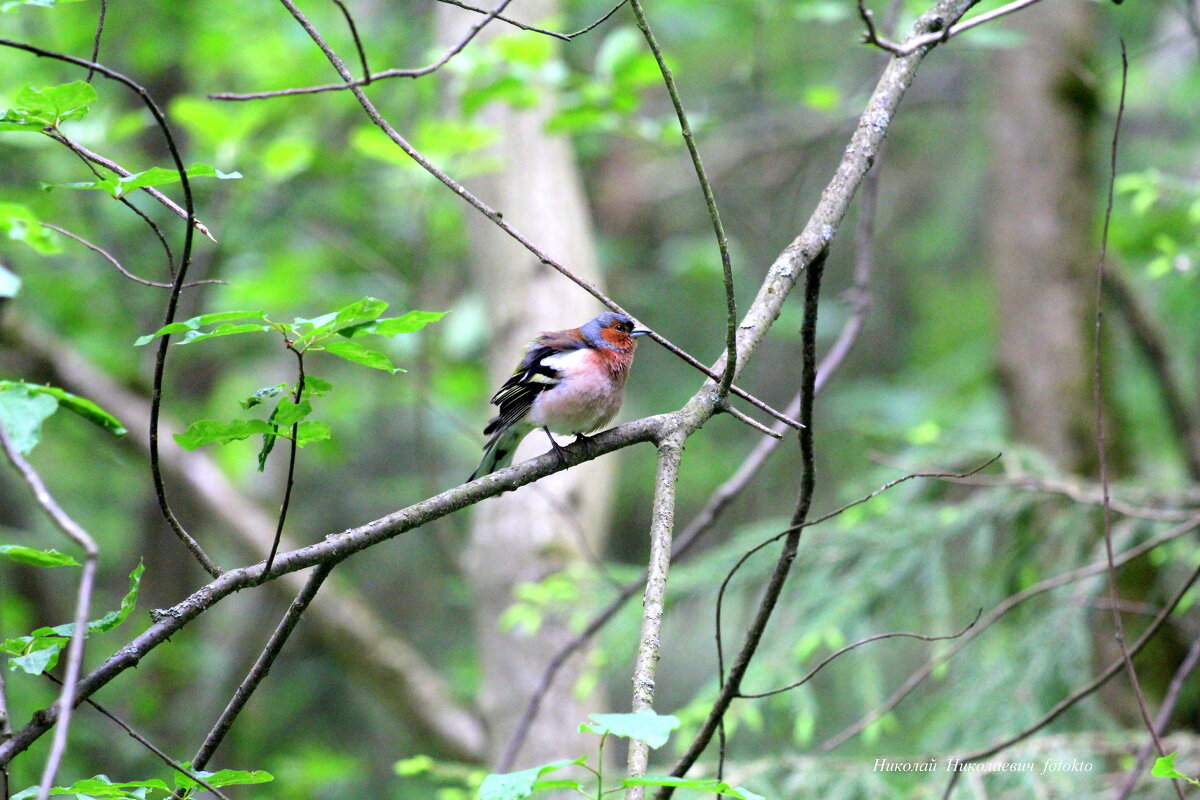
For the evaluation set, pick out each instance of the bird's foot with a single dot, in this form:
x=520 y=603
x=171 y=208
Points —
x=559 y=450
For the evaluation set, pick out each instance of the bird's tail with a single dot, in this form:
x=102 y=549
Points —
x=498 y=452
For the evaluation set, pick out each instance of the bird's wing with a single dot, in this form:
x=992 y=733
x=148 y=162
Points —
x=542 y=368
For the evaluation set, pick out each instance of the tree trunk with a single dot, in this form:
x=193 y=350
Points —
x=541 y=529
x=1041 y=246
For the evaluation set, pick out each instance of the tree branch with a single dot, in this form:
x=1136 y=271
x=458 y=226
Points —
x=80 y=537
x=662 y=526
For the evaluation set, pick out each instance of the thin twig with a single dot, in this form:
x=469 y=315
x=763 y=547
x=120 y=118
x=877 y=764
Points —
x=710 y=202
x=915 y=43
x=1162 y=718
x=291 y=470
x=172 y=302
x=1070 y=700
x=149 y=745
x=1101 y=442
x=96 y=40
x=107 y=163
x=373 y=113
x=262 y=664
x=83 y=599
x=566 y=37
x=358 y=45
x=1002 y=608
x=396 y=72
x=787 y=555
x=112 y=260
x=351 y=83
x=854 y=646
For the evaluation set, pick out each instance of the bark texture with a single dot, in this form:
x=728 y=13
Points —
x=1041 y=244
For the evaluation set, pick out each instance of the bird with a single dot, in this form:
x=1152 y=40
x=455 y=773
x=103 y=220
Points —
x=569 y=381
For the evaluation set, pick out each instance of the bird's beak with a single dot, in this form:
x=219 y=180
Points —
x=639 y=331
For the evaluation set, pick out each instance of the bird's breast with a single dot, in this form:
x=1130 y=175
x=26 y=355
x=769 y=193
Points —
x=587 y=396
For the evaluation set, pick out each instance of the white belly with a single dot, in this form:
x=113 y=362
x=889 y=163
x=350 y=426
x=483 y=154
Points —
x=582 y=403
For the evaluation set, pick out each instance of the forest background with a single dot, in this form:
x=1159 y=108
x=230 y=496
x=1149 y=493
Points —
x=957 y=321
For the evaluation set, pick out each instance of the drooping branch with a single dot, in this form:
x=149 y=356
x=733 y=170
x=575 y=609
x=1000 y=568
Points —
x=1087 y=690
x=991 y=617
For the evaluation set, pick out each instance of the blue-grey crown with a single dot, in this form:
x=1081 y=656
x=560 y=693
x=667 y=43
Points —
x=591 y=330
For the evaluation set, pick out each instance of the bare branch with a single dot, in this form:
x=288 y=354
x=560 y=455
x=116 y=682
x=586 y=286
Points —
x=670 y=451
x=358 y=45
x=916 y=678
x=854 y=646
x=1101 y=442
x=112 y=260
x=915 y=43
x=1162 y=718
x=262 y=665
x=566 y=37
x=336 y=548
x=77 y=534
x=1067 y=702
x=149 y=745
x=107 y=163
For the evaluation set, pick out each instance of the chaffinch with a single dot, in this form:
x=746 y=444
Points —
x=569 y=381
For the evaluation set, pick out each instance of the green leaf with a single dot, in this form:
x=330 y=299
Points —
x=37 y=661
x=196 y=323
x=353 y=351
x=1164 y=767
x=20 y=224
x=646 y=725
x=208 y=431
x=710 y=785
x=317 y=387
x=360 y=311
x=113 y=618
x=311 y=431
x=288 y=412
x=10 y=284
x=227 y=329
x=36 y=558
x=394 y=326
x=517 y=785
x=155 y=176
x=22 y=413
x=36 y=108
x=225 y=777
x=79 y=405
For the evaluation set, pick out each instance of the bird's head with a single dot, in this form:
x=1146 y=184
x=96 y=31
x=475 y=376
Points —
x=613 y=331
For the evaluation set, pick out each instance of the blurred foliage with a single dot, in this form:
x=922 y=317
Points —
x=329 y=211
